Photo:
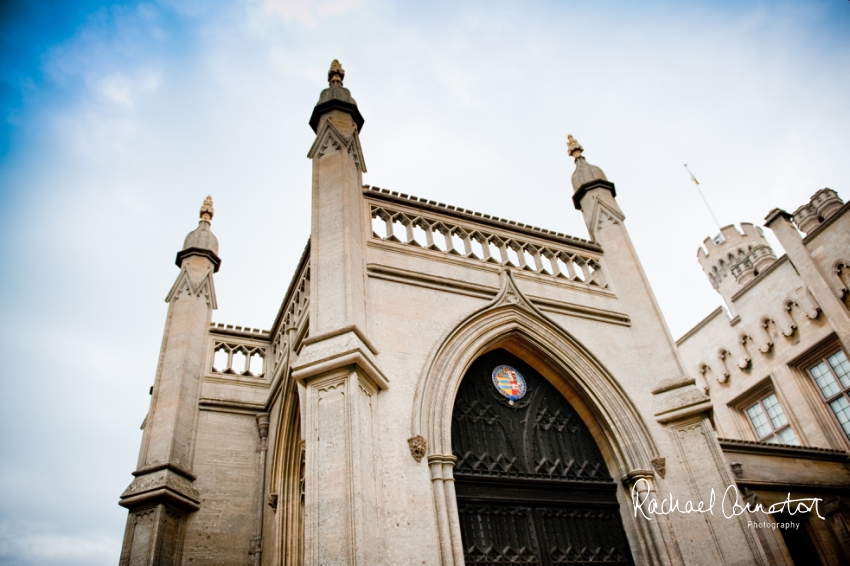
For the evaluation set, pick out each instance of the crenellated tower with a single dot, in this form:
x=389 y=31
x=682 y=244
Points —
x=733 y=259
x=818 y=210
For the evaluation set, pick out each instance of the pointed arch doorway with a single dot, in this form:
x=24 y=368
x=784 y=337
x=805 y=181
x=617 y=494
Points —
x=532 y=487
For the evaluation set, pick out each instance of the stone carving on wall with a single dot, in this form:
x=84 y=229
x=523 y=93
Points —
x=737 y=469
x=417 y=444
x=660 y=466
x=186 y=285
x=842 y=272
x=795 y=310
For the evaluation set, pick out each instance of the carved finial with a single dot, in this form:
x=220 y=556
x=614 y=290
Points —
x=207 y=209
x=574 y=147
x=336 y=73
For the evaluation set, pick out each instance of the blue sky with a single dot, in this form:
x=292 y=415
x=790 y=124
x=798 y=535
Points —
x=119 y=118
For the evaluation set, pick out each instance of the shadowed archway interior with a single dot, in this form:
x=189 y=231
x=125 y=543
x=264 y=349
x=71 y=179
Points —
x=532 y=487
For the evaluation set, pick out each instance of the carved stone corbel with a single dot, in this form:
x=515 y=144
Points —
x=660 y=465
x=417 y=444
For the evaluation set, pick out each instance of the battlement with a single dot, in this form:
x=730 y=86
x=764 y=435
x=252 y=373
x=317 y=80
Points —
x=730 y=237
x=231 y=329
x=820 y=207
x=743 y=254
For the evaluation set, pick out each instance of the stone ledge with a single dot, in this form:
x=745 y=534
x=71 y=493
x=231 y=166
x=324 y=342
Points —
x=459 y=287
x=334 y=350
x=230 y=406
x=589 y=186
x=339 y=332
x=161 y=486
x=183 y=254
x=675 y=383
x=790 y=487
x=678 y=398
x=477 y=264
x=783 y=450
x=678 y=413
x=776 y=213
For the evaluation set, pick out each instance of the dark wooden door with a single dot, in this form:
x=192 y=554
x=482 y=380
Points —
x=532 y=487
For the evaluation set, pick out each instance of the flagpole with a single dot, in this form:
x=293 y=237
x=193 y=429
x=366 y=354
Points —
x=694 y=179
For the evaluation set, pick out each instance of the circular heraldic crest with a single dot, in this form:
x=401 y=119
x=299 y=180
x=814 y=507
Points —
x=509 y=382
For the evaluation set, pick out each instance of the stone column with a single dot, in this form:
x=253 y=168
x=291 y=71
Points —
x=657 y=540
x=337 y=365
x=162 y=493
x=257 y=542
x=836 y=313
x=837 y=515
x=445 y=503
x=716 y=537
x=342 y=511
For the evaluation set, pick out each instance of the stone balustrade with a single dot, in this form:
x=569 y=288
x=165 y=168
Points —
x=467 y=240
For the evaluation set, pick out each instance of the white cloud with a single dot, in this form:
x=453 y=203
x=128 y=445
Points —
x=116 y=89
x=122 y=89
x=307 y=11
x=39 y=544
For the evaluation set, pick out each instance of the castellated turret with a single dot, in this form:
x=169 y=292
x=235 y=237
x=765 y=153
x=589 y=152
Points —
x=822 y=205
x=733 y=259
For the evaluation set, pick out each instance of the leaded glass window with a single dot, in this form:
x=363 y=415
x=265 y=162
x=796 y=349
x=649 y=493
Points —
x=832 y=377
x=769 y=421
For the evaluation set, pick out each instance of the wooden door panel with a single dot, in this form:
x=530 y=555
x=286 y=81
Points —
x=531 y=484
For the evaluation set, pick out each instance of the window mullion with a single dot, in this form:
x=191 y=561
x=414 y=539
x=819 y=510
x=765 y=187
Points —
x=768 y=419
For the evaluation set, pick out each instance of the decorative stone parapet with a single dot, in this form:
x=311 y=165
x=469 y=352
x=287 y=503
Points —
x=478 y=242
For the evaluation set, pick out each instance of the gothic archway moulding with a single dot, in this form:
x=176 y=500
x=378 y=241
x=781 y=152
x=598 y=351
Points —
x=511 y=319
x=285 y=486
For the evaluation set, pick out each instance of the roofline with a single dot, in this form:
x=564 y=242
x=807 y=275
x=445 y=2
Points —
x=305 y=255
x=699 y=325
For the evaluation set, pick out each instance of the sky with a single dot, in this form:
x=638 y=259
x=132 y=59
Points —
x=119 y=118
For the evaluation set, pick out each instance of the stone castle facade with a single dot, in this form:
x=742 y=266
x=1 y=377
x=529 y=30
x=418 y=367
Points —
x=444 y=387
